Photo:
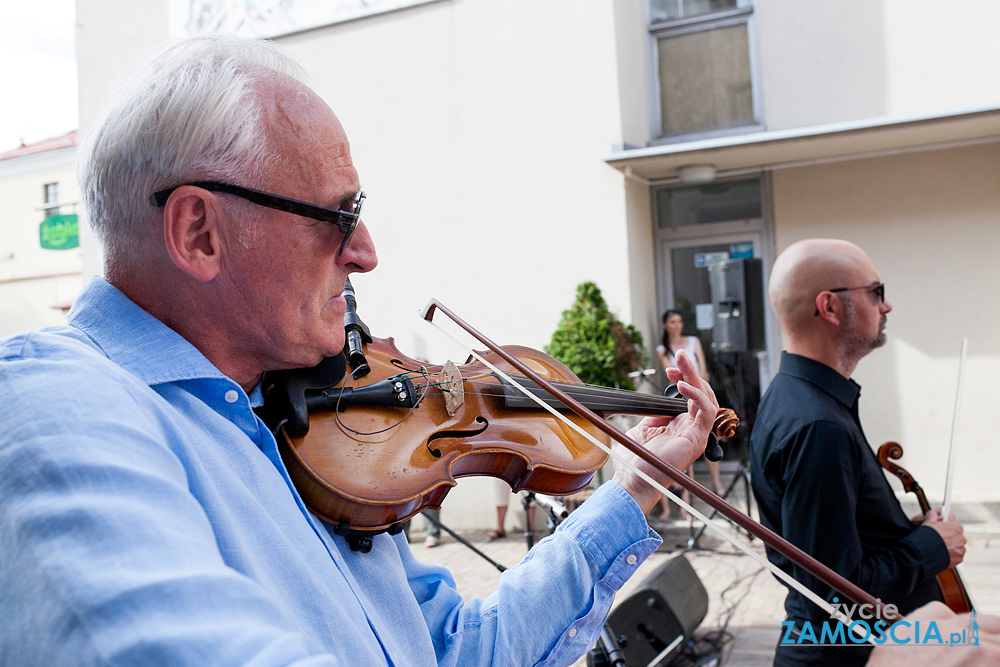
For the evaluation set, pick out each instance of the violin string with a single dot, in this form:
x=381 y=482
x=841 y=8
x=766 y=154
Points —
x=597 y=398
x=613 y=397
x=778 y=572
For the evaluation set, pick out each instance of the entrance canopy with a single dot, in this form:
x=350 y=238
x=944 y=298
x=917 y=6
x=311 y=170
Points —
x=814 y=144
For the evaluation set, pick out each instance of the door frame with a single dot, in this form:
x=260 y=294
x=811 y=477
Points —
x=759 y=231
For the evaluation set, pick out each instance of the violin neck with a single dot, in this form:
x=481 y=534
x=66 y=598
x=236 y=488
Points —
x=602 y=400
x=925 y=506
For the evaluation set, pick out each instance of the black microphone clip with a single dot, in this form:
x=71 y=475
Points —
x=357 y=335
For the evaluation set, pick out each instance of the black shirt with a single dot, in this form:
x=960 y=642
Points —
x=819 y=485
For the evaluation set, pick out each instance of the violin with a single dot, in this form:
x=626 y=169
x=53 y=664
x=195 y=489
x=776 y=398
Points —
x=368 y=453
x=953 y=590
x=351 y=463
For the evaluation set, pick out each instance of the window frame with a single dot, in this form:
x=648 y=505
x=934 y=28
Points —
x=690 y=25
x=50 y=205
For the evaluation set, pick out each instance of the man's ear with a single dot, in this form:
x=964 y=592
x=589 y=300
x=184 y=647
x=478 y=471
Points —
x=828 y=308
x=191 y=219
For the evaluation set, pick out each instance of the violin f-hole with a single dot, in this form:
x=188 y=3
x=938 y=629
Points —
x=436 y=453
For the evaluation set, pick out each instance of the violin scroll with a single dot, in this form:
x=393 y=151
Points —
x=725 y=425
x=726 y=422
x=894 y=450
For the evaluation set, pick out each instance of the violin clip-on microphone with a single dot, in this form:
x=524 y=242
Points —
x=357 y=335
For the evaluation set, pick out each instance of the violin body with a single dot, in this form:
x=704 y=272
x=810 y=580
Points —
x=953 y=591
x=368 y=453
x=370 y=467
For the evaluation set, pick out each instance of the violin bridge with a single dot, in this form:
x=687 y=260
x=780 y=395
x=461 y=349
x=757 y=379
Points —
x=450 y=382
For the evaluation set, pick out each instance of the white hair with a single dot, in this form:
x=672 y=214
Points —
x=190 y=111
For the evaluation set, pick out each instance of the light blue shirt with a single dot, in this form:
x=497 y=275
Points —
x=146 y=518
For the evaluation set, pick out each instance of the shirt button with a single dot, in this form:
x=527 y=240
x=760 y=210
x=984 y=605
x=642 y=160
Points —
x=232 y=395
x=631 y=559
x=572 y=632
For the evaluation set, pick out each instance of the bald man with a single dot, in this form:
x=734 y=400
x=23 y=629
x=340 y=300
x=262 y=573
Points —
x=816 y=479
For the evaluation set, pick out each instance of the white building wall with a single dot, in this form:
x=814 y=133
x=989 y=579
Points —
x=941 y=56
x=929 y=223
x=824 y=62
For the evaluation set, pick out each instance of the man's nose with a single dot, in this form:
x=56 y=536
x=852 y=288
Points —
x=360 y=251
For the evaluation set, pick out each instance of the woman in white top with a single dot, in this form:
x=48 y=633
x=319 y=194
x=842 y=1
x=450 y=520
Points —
x=674 y=340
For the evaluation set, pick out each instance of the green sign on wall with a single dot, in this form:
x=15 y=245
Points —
x=59 y=232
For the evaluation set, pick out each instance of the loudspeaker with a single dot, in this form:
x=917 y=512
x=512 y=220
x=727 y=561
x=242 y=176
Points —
x=737 y=288
x=660 y=616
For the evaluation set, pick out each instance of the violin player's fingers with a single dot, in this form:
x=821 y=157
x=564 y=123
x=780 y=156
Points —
x=686 y=371
x=647 y=427
x=685 y=366
x=702 y=405
x=656 y=421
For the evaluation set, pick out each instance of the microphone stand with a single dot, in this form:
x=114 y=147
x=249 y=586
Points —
x=737 y=394
x=464 y=541
x=608 y=650
x=556 y=513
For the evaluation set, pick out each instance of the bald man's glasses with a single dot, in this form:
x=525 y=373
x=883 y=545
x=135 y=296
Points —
x=877 y=289
x=347 y=221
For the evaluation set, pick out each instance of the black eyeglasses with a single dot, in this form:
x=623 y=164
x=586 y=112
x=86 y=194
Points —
x=347 y=221
x=878 y=289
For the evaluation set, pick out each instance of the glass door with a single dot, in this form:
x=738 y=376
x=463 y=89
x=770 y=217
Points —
x=684 y=286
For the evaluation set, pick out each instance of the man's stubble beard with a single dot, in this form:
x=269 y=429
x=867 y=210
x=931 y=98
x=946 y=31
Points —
x=854 y=345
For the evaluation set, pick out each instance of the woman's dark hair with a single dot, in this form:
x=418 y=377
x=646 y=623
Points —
x=666 y=336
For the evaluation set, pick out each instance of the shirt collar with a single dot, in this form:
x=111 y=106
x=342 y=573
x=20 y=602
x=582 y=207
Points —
x=134 y=339
x=814 y=372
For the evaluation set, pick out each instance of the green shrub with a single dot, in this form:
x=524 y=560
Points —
x=595 y=344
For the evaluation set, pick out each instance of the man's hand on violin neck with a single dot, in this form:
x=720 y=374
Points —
x=678 y=441
x=951 y=532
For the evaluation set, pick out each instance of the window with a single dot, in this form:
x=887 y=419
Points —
x=705 y=204
x=664 y=10
x=51 y=197
x=703 y=63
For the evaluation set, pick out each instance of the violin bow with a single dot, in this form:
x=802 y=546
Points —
x=952 y=447
x=778 y=543
x=946 y=506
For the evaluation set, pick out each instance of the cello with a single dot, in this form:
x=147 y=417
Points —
x=953 y=590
